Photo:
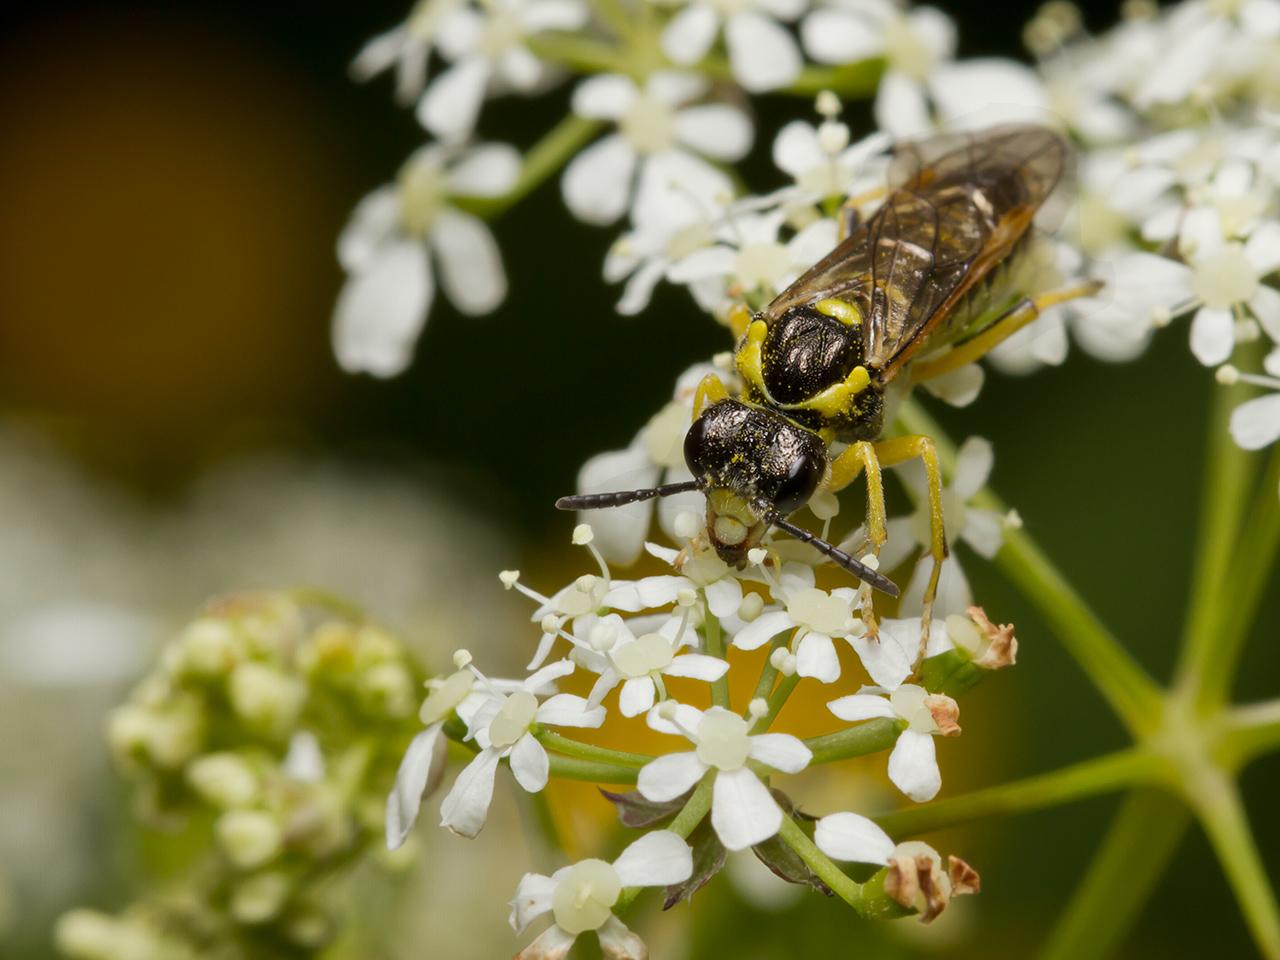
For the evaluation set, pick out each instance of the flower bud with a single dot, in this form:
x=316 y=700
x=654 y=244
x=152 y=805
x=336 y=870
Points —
x=266 y=698
x=258 y=898
x=208 y=647
x=249 y=838
x=224 y=780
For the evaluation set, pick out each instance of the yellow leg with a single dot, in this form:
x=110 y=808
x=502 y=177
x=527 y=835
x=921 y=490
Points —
x=855 y=459
x=849 y=214
x=899 y=450
x=740 y=318
x=1003 y=327
x=711 y=389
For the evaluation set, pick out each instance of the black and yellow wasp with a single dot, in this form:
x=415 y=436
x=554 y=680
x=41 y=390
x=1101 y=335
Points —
x=926 y=285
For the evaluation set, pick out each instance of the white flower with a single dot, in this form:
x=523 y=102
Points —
x=1256 y=423
x=750 y=259
x=824 y=164
x=762 y=53
x=817 y=616
x=387 y=251
x=981 y=528
x=640 y=662
x=852 y=837
x=919 y=78
x=743 y=811
x=653 y=125
x=406 y=47
x=1045 y=266
x=581 y=897
x=700 y=569
x=500 y=726
x=913 y=764
x=488 y=51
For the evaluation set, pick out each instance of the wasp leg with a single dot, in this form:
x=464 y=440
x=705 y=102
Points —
x=856 y=458
x=711 y=390
x=740 y=318
x=899 y=450
x=1000 y=329
x=849 y=217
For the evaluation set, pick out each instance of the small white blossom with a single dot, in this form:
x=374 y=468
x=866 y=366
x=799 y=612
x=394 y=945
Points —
x=655 y=124
x=489 y=54
x=406 y=47
x=500 y=725
x=388 y=247
x=763 y=55
x=743 y=811
x=580 y=897
x=913 y=763
x=824 y=164
x=852 y=837
x=1256 y=423
x=817 y=616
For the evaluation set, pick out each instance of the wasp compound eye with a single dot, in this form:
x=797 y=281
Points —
x=799 y=483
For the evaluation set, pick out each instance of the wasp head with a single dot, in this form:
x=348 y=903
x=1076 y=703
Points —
x=755 y=466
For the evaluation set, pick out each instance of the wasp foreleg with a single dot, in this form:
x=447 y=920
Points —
x=855 y=459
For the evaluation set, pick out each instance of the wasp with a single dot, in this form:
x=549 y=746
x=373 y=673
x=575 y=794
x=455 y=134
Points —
x=922 y=287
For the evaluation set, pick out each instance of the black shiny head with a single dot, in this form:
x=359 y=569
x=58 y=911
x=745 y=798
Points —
x=754 y=465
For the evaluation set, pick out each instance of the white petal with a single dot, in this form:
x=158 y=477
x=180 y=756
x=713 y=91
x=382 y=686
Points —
x=900 y=106
x=834 y=36
x=529 y=763
x=954 y=594
x=689 y=34
x=1213 y=335
x=655 y=860
x=619 y=943
x=973 y=466
x=1265 y=305
x=1256 y=423
x=635 y=595
x=762 y=629
x=532 y=900
x=959 y=388
x=489 y=170
x=669 y=776
x=569 y=710
x=724 y=596
x=762 y=53
x=470 y=262
x=687 y=718
x=465 y=808
x=697 y=666
x=379 y=53
x=619 y=532
x=781 y=751
x=813 y=242
x=888 y=658
x=1201 y=234
x=543 y=679
x=420 y=773
x=1263 y=247
x=985 y=92
x=935 y=30
x=852 y=837
x=743 y=811
x=671 y=507
x=913 y=766
x=816 y=657
x=861 y=706
x=708 y=262
x=1180 y=67
x=607 y=680
x=901 y=542
x=716 y=130
x=381 y=310
x=984 y=531
x=597 y=183
x=373 y=224
x=675 y=87
x=564 y=15
x=552 y=944
x=636 y=697
x=520 y=69
x=796 y=150
x=452 y=102
x=606 y=96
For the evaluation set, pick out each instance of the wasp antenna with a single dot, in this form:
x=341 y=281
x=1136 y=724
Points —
x=860 y=570
x=620 y=498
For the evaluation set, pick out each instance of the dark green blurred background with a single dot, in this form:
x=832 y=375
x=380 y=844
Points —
x=174 y=176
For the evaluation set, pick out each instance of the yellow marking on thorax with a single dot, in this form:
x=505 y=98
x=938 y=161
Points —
x=841 y=310
x=834 y=401
x=749 y=359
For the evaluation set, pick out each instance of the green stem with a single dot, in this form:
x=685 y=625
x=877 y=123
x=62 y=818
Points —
x=768 y=673
x=870 y=737
x=844 y=886
x=567 y=768
x=1123 y=683
x=1251 y=565
x=685 y=822
x=1228 y=475
x=776 y=701
x=1114 y=771
x=1251 y=730
x=589 y=751
x=543 y=160
x=1139 y=844
x=714 y=647
x=1218 y=804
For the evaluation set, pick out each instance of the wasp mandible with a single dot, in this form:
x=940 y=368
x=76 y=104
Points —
x=923 y=287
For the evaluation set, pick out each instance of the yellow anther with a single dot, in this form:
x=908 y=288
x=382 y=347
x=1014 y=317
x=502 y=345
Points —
x=841 y=310
x=711 y=390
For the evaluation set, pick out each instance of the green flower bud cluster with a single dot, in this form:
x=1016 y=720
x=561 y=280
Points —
x=269 y=734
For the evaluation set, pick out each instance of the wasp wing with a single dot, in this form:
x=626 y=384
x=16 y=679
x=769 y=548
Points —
x=960 y=203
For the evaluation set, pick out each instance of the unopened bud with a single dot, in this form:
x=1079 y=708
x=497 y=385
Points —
x=1227 y=375
x=757 y=555
x=824 y=505
x=249 y=838
x=583 y=534
x=258 y=898
x=509 y=578
x=224 y=780
x=758 y=707
x=667 y=710
x=686 y=525
x=752 y=606
x=827 y=104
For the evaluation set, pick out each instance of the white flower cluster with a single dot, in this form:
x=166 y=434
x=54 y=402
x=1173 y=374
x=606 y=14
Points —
x=659 y=642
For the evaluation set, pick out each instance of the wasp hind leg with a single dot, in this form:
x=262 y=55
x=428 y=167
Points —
x=854 y=460
x=849 y=216
x=1000 y=329
x=900 y=450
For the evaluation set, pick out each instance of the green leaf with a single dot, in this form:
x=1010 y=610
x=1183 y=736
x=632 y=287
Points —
x=638 y=813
